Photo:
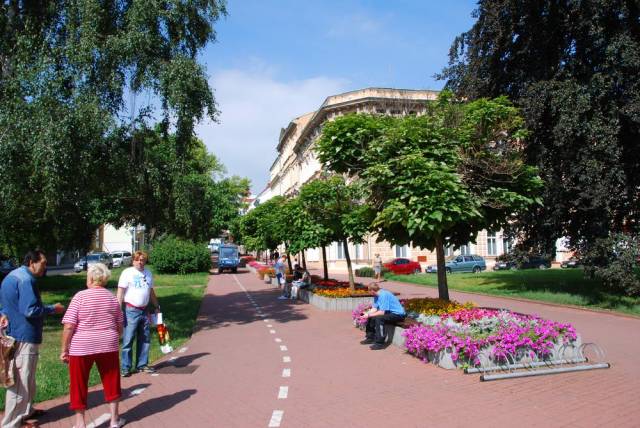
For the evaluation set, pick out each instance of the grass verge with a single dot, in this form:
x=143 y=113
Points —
x=562 y=286
x=179 y=295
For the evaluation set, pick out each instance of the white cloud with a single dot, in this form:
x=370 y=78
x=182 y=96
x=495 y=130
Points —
x=254 y=107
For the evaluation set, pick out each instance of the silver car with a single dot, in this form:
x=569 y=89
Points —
x=121 y=258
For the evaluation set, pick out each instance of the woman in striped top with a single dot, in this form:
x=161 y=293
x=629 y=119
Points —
x=92 y=329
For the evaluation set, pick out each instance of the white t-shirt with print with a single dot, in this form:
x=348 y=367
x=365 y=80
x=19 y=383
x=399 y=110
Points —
x=137 y=286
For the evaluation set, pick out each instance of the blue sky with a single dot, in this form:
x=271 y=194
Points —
x=278 y=59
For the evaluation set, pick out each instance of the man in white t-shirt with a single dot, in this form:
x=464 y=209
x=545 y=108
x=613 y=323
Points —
x=135 y=290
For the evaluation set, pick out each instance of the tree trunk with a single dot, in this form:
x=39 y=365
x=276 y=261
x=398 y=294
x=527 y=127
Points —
x=443 y=288
x=324 y=263
x=304 y=261
x=286 y=250
x=352 y=282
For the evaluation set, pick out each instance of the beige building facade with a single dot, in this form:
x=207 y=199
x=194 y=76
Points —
x=296 y=164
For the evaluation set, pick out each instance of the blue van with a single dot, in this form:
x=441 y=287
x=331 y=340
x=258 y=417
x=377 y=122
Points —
x=228 y=258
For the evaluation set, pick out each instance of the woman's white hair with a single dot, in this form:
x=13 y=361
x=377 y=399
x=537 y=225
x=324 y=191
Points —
x=98 y=273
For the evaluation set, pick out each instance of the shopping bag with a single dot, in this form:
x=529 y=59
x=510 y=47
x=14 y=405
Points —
x=7 y=350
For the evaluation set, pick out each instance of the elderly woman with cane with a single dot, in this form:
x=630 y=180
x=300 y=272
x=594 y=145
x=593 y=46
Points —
x=92 y=329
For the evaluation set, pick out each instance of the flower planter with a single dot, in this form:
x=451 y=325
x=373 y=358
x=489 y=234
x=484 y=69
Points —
x=444 y=359
x=332 y=304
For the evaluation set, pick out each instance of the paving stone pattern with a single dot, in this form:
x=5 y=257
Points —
x=232 y=373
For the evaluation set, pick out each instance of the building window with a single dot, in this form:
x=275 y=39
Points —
x=447 y=251
x=401 y=251
x=464 y=250
x=339 y=251
x=507 y=245
x=358 y=251
x=491 y=244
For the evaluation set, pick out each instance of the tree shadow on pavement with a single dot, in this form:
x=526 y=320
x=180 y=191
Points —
x=235 y=308
x=180 y=361
x=156 y=405
x=95 y=398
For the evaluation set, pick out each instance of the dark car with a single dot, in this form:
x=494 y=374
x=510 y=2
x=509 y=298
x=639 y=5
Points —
x=6 y=266
x=403 y=266
x=505 y=265
x=573 y=262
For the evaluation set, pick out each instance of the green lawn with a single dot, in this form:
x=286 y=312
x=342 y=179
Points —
x=564 y=286
x=179 y=295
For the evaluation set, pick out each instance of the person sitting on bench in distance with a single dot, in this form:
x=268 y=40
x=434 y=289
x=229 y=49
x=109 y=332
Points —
x=386 y=308
x=303 y=280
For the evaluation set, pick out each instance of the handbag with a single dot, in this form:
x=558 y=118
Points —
x=7 y=350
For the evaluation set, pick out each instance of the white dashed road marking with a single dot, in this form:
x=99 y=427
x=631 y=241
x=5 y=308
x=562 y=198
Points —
x=283 y=393
x=269 y=325
x=272 y=331
x=276 y=418
x=286 y=372
x=286 y=359
x=283 y=348
x=182 y=350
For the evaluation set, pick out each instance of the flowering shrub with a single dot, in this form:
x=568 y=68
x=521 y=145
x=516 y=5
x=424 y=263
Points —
x=428 y=306
x=266 y=271
x=465 y=333
x=331 y=283
x=340 y=292
x=356 y=315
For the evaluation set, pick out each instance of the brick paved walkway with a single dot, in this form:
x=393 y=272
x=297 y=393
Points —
x=234 y=370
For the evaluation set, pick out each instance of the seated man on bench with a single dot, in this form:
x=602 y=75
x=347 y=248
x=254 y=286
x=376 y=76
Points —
x=303 y=281
x=386 y=308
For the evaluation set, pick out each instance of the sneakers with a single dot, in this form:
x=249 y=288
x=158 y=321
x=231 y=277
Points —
x=125 y=373
x=146 y=369
x=366 y=342
x=377 y=346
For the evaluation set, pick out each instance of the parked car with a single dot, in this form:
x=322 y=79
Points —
x=229 y=258
x=121 y=258
x=573 y=262
x=80 y=265
x=6 y=266
x=529 y=262
x=468 y=263
x=402 y=266
x=505 y=265
x=93 y=258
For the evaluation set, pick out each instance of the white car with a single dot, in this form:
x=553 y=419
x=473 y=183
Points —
x=121 y=258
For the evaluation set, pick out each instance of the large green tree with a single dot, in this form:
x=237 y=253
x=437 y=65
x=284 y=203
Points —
x=572 y=67
x=185 y=195
x=439 y=178
x=70 y=73
x=339 y=214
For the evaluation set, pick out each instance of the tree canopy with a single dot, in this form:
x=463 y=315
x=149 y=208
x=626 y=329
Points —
x=70 y=75
x=438 y=178
x=572 y=67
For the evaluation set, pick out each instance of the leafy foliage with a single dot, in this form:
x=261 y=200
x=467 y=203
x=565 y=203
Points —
x=439 y=178
x=616 y=262
x=572 y=66
x=175 y=255
x=67 y=71
x=337 y=212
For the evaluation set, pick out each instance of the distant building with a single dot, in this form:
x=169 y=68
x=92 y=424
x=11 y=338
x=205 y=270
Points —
x=296 y=164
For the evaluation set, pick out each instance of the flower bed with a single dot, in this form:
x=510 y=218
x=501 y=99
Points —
x=453 y=335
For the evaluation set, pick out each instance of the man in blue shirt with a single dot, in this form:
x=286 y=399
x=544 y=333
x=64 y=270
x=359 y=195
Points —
x=386 y=308
x=23 y=316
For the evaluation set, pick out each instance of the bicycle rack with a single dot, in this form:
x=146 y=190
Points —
x=589 y=353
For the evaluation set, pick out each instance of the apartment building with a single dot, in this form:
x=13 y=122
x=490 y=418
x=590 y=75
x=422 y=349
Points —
x=296 y=164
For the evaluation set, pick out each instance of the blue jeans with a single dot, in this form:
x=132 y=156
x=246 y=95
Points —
x=137 y=326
